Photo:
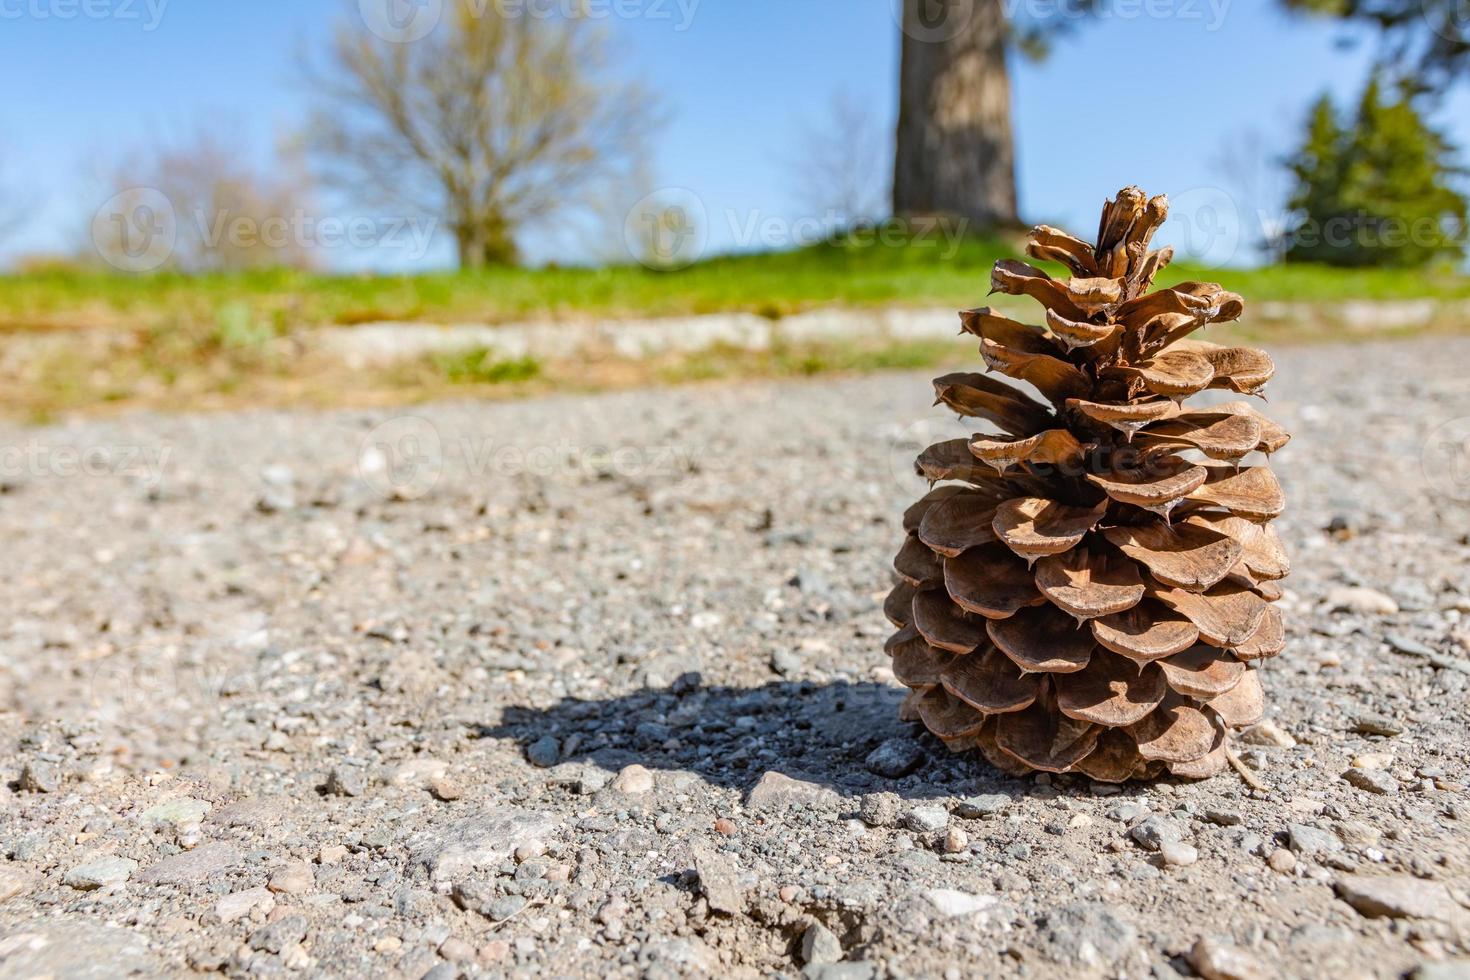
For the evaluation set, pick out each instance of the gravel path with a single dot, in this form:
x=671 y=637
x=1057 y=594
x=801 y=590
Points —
x=594 y=686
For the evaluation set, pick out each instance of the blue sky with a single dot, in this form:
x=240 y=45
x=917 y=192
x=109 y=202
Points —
x=1122 y=99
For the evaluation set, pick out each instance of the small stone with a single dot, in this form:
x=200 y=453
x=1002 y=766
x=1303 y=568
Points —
x=493 y=952
x=445 y=788
x=985 y=805
x=1358 y=833
x=895 y=758
x=778 y=789
x=1458 y=969
x=331 y=854
x=505 y=907
x=417 y=772
x=13 y=884
x=1368 y=724
x=530 y=850
x=1412 y=647
x=345 y=781
x=1372 y=760
x=633 y=780
x=193 y=866
x=927 y=819
x=1178 y=854
x=279 y=934
x=388 y=944
x=880 y=809
x=177 y=812
x=726 y=827
x=101 y=873
x=481 y=840
x=237 y=905
x=1372 y=781
x=1216 y=959
x=1398 y=897
x=40 y=777
x=1223 y=816
x=719 y=877
x=456 y=950
x=1311 y=842
x=787 y=663
x=295 y=878
x=952 y=903
x=1364 y=601
x=1154 y=831
x=544 y=752
x=1282 y=861
x=819 y=945
x=1267 y=733
x=955 y=841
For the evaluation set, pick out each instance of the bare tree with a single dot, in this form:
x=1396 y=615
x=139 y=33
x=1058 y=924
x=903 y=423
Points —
x=840 y=164
x=198 y=204
x=495 y=121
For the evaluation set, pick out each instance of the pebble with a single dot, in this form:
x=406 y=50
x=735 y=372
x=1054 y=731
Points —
x=951 y=902
x=956 y=841
x=1372 y=760
x=177 y=812
x=726 y=827
x=445 y=788
x=1216 y=959
x=456 y=950
x=927 y=819
x=1282 y=861
x=1398 y=897
x=975 y=807
x=40 y=777
x=101 y=873
x=544 y=753
x=331 y=854
x=787 y=663
x=1178 y=854
x=880 y=809
x=345 y=781
x=1457 y=969
x=1223 y=816
x=295 y=878
x=1412 y=647
x=719 y=877
x=276 y=936
x=819 y=945
x=1358 y=599
x=1154 y=831
x=1368 y=724
x=1312 y=842
x=1372 y=781
x=192 y=866
x=237 y=905
x=895 y=758
x=633 y=780
x=13 y=884
x=1267 y=733
x=778 y=789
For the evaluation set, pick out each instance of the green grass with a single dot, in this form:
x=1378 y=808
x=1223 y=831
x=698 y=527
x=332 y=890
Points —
x=479 y=366
x=248 y=306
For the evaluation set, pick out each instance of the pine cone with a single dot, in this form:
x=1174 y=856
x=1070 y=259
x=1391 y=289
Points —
x=1091 y=589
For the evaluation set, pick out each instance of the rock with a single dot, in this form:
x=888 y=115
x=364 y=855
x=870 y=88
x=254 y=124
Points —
x=819 y=945
x=880 y=809
x=258 y=811
x=1088 y=934
x=952 y=903
x=1412 y=647
x=480 y=841
x=285 y=931
x=40 y=777
x=13 y=884
x=787 y=663
x=1372 y=781
x=975 y=807
x=860 y=970
x=101 y=873
x=456 y=950
x=237 y=905
x=1364 y=601
x=1178 y=854
x=1153 y=832
x=719 y=877
x=295 y=878
x=1399 y=897
x=77 y=951
x=1445 y=970
x=1216 y=959
x=176 y=812
x=895 y=758
x=1282 y=861
x=927 y=819
x=505 y=907
x=418 y=772
x=632 y=780
x=1311 y=842
x=544 y=753
x=345 y=781
x=1267 y=733
x=776 y=789
x=1223 y=816
x=445 y=788
x=956 y=841
x=1368 y=724
x=331 y=854
x=192 y=866
x=1372 y=760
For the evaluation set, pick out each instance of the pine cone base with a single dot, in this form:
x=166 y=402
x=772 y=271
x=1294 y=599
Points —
x=1090 y=587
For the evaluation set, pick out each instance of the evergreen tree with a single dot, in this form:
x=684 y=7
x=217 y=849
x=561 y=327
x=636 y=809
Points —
x=1378 y=191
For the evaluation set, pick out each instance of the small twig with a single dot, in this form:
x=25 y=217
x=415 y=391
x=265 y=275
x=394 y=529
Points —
x=1245 y=772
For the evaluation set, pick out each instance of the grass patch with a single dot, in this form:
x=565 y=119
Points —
x=480 y=366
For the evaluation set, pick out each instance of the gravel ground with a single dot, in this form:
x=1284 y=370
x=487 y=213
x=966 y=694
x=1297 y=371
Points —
x=594 y=686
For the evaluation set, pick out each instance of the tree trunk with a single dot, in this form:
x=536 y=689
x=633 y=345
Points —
x=956 y=151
